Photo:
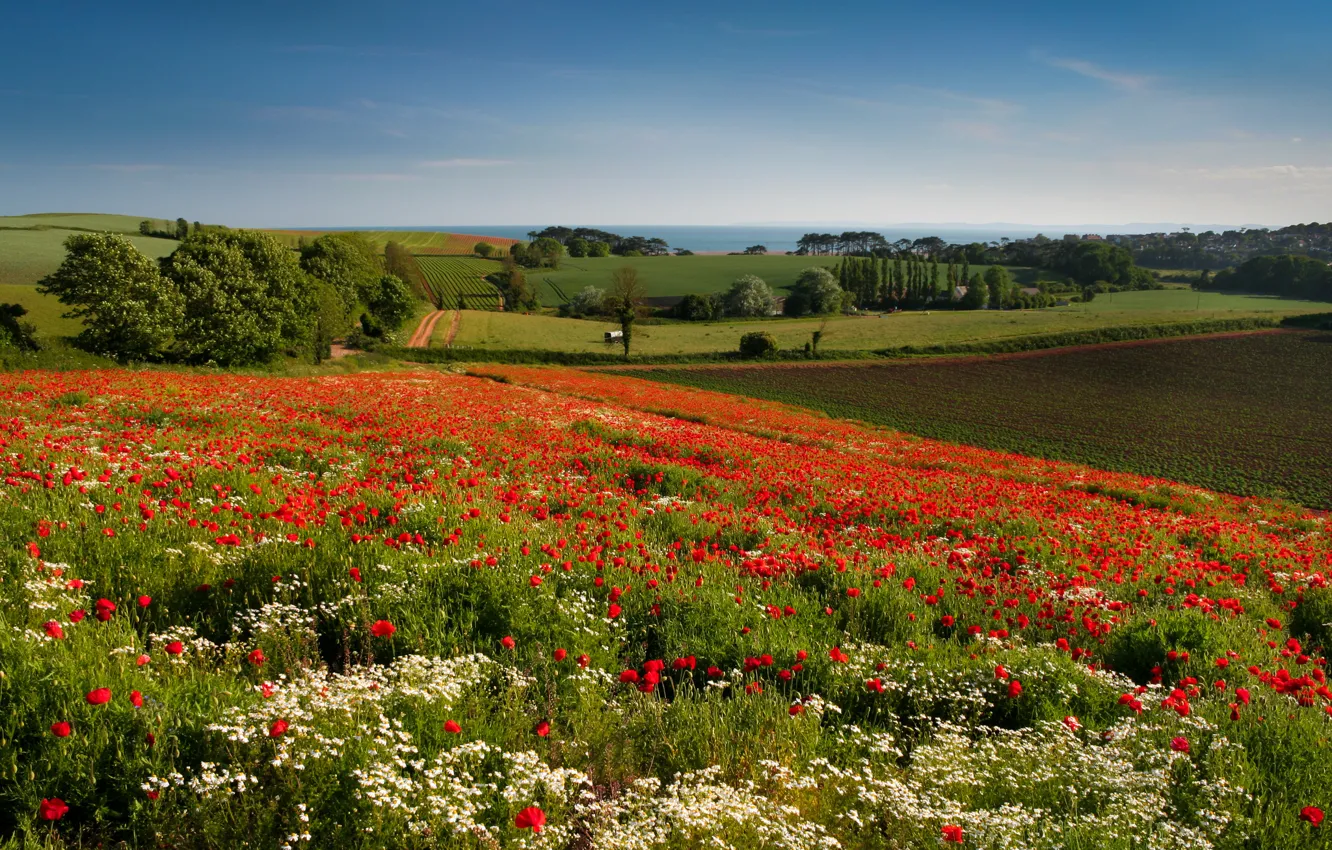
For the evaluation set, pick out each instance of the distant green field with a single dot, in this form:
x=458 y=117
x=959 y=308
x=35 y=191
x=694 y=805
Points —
x=675 y=276
x=28 y=255
x=461 y=279
x=83 y=221
x=518 y=331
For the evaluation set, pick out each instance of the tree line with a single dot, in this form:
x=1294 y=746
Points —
x=1286 y=275
x=591 y=242
x=226 y=297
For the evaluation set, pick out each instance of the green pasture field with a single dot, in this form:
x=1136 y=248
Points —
x=1248 y=414
x=673 y=276
x=872 y=331
x=83 y=221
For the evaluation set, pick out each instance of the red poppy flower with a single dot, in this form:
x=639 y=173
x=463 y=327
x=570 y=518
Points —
x=145 y=601
x=278 y=729
x=1179 y=744
x=355 y=573
x=530 y=818
x=613 y=611
x=383 y=628
x=257 y=657
x=1014 y=689
x=60 y=729
x=542 y=729
x=53 y=809
x=507 y=642
x=153 y=795
x=77 y=616
x=1311 y=815
x=136 y=699
x=952 y=834
x=561 y=654
x=583 y=661
x=534 y=581
x=947 y=620
x=452 y=727
x=98 y=696
x=142 y=660
x=175 y=648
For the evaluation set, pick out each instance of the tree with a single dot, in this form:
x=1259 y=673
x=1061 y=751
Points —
x=129 y=311
x=513 y=286
x=330 y=320
x=548 y=250
x=698 y=308
x=402 y=264
x=483 y=249
x=598 y=249
x=588 y=302
x=976 y=296
x=347 y=261
x=756 y=249
x=625 y=298
x=577 y=247
x=815 y=291
x=146 y=227
x=20 y=335
x=182 y=228
x=391 y=304
x=749 y=295
x=757 y=344
x=198 y=228
x=247 y=300
x=998 y=283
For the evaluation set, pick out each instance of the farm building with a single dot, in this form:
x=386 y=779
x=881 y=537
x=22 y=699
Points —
x=959 y=292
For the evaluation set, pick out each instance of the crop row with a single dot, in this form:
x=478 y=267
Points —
x=1247 y=414
x=457 y=282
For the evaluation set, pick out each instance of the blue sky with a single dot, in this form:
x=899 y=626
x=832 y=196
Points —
x=416 y=113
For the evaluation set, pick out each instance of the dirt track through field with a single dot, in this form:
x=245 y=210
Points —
x=455 y=322
x=936 y=358
x=421 y=336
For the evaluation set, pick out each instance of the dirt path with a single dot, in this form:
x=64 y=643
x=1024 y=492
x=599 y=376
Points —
x=938 y=358
x=421 y=336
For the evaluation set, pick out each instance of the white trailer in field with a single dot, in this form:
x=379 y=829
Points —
x=611 y=336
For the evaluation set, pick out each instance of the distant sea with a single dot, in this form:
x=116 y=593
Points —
x=777 y=239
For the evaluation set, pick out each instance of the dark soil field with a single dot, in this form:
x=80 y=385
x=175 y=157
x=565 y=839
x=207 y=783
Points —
x=1249 y=414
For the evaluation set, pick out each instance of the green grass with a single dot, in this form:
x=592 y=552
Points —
x=1249 y=415
x=83 y=221
x=675 y=276
x=872 y=332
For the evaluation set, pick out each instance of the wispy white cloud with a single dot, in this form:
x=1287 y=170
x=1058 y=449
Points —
x=1118 y=79
x=466 y=162
x=1261 y=172
x=990 y=105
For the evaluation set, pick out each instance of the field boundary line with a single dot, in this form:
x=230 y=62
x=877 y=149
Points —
x=421 y=336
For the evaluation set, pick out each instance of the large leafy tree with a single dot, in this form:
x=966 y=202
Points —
x=348 y=262
x=246 y=298
x=129 y=311
x=391 y=304
x=815 y=291
x=749 y=295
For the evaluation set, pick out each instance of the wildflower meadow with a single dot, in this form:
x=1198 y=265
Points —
x=542 y=608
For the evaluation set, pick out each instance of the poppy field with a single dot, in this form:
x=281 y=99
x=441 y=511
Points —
x=1247 y=414
x=544 y=608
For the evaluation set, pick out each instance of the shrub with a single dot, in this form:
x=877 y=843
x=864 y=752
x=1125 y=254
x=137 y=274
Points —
x=757 y=344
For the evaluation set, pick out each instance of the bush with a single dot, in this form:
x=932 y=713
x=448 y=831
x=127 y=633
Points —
x=749 y=296
x=757 y=344
x=590 y=301
x=484 y=249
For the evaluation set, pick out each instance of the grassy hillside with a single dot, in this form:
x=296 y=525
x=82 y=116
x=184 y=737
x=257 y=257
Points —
x=83 y=221
x=529 y=332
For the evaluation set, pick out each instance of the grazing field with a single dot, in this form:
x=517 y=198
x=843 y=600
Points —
x=407 y=610
x=671 y=277
x=1248 y=414
x=872 y=331
x=455 y=280
x=418 y=241
x=100 y=222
